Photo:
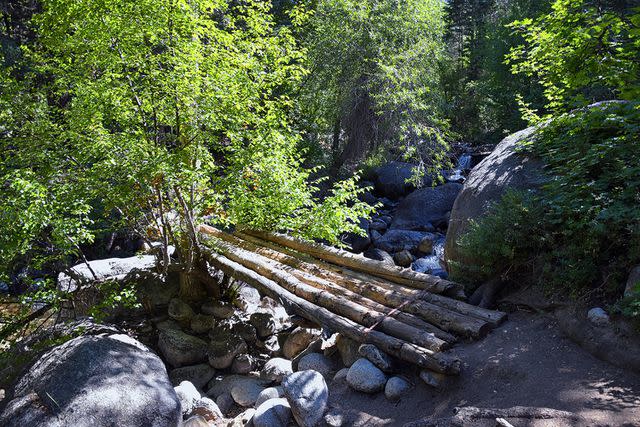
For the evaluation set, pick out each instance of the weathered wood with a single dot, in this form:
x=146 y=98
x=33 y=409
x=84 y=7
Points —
x=317 y=276
x=323 y=296
x=411 y=301
x=347 y=277
x=439 y=362
x=359 y=263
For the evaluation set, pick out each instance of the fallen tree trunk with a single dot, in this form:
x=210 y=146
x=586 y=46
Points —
x=377 y=289
x=411 y=353
x=359 y=263
x=315 y=275
x=343 y=306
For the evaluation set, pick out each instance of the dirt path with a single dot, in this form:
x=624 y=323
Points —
x=525 y=362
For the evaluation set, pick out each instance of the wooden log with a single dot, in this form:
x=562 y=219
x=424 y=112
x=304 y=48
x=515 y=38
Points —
x=439 y=362
x=315 y=275
x=359 y=263
x=492 y=317
x=408 y=300
x=325 y=298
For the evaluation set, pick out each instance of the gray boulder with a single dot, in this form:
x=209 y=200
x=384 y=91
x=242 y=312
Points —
x=317 y=362
x=243 y=363
x=379 y=255
x=180 y=311
x=399 y=240
x=202 y=323
x=245 y=393
x=264 y=323
x=269 y=393
x=298 y=340
x=348 y=350
x=180 y=349
x=276 y=369
x=364 y=376
x=95 y=381
x=308 y=394
x=390 y=180
x=502 y=170
x=396 y=387
x=426 y=208
x=272 y=413
x=187 y=395
x=224 y=347
x=218 y=310
x=403 y=258
x=198 y=375
x=598 y=316
x=376 y=356
x=111 y=268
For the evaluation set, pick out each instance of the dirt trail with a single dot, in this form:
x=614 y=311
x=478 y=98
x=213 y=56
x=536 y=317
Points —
x=525 y=362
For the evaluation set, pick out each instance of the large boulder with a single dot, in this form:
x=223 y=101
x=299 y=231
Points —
x=504 y=169
x=426 y=208
x=105 y=380
x=308 y=395
x=180 y=349
x=364 y=376
x=390 y=180
x=111 y=268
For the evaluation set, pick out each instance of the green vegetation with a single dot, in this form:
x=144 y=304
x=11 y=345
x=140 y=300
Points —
x=155 y=116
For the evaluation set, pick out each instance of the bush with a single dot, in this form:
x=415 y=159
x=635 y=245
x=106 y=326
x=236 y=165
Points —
x=581 y=233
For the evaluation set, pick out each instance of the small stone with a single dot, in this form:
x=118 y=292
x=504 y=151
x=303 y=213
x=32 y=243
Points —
x=298 y=340
x=396 y=387
x=224 y=347
x=196 y=421
x=377 y=357
x=348 y=350
x=247 y=298
x=269 y=393
x=334 y=418
x=264 y=323
x=426 y=244
x=225 y=402
x=276 y=369
x=217 y=310
x=378 y=225
x=245 y=393
x=379 y=254
x=246 y=331
x=180 y=349
x=598 y=316
x=308 y=395
x=375 y=235
x=198 y=375
x=364 y=376
x=341 y=374
x=273 y=413
x=403 y=258
x=271 y=345
x=433 y=379
x=317 y=362
x=187 y=395
x=242 y=364
x=243 y=419
x=201 y=324
x=180 y=311
x=207 y=409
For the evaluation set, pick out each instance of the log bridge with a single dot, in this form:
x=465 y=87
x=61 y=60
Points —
x=412 y=316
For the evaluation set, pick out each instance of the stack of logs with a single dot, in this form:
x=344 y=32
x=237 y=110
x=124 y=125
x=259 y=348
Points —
x=412 y=316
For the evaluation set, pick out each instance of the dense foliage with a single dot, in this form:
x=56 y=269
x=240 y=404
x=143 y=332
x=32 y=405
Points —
x=581 y=52
x=152 y=115
x=374 y=80
x=581 y=232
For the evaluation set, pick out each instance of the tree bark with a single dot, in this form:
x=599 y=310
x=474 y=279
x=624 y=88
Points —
x=343 y=258
x=411 y=353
